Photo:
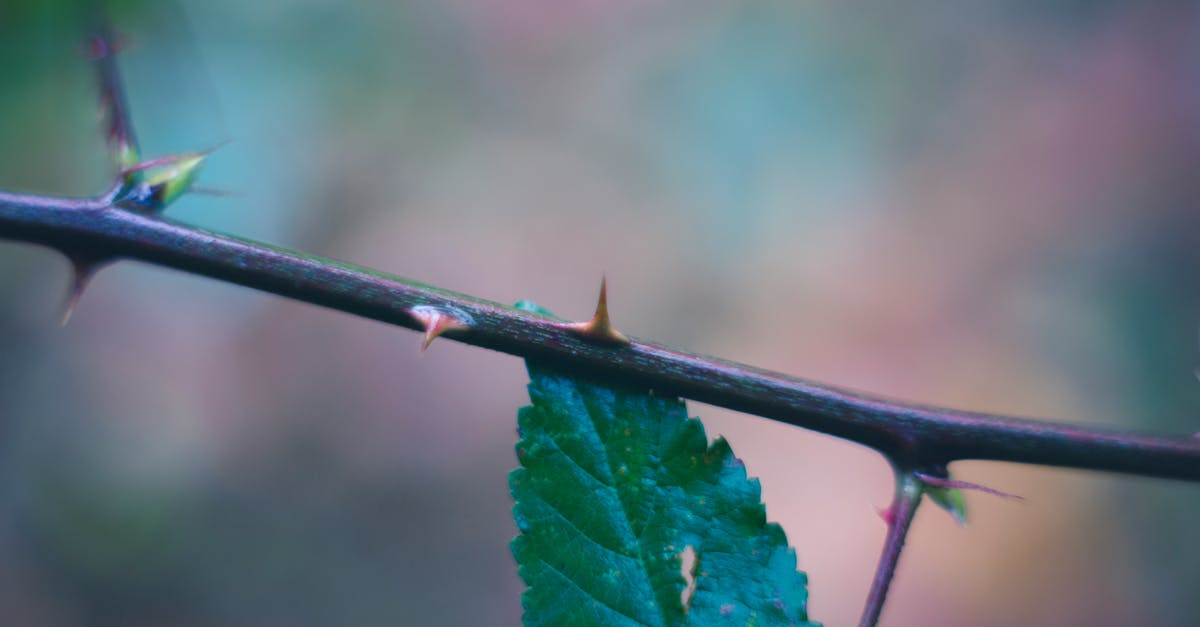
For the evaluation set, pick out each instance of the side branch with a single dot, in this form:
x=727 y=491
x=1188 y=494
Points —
x=910 y=435
x=898 y=516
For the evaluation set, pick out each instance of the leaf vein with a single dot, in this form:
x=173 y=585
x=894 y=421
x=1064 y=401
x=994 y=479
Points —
x=571 y=523
x=583 y=590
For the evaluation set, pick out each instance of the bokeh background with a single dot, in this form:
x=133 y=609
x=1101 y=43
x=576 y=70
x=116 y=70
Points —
x=984 y=204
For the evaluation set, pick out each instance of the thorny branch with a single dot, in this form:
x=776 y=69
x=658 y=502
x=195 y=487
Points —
x=910 y=434
x=126 y=222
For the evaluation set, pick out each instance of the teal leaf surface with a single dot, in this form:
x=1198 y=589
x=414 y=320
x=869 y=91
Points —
x=616 y=489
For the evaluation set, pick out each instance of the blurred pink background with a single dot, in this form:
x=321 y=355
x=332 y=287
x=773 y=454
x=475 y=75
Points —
x=986 y=205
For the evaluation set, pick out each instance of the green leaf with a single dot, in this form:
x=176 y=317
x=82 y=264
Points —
x=615 y=486
x=153 y=185
x=951 y=500
x=174 y=177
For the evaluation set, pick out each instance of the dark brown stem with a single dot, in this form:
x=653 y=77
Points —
x=911 y=435
x=899 y=517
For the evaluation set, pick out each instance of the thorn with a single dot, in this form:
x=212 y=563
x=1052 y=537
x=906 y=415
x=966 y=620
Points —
x=600 y=327
x=939 y=482
x=172 y=160
x=886 y=514
x=202 y=190
x=82 y=271
x=437 y=321
x=96 y=48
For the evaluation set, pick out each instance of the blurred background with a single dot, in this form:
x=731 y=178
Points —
x=985 y=204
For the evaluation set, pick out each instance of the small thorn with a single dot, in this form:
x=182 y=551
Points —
x=82 y=271
x=953 y=484
x=186 y=158
x=437 y=321
x=886 y=514
x=203 y=190
x=600 y=327
x=98 y=47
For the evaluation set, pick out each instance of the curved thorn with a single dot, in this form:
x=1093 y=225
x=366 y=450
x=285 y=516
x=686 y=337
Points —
x=82 y=271
x=600 y=327
x=434 y=330
x=437 y=321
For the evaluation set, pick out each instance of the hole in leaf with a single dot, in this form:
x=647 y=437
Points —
x=689 y=562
